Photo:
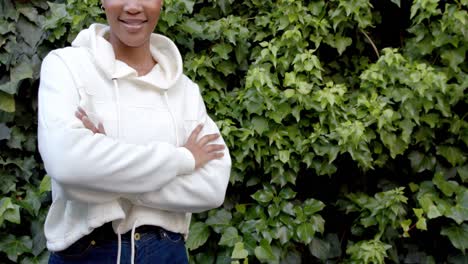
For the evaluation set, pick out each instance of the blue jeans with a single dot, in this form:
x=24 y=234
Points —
x=160 y=246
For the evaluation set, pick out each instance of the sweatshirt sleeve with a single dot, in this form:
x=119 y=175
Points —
x=75 y=157
x=200 y=190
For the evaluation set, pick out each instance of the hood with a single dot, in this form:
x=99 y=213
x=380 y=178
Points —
x=164 y=75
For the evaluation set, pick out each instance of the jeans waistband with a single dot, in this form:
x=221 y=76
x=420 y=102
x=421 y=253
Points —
x=106 y=232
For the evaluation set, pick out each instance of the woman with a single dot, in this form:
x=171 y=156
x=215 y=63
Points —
x=126 y=139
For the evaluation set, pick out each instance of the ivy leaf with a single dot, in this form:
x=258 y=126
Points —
x=5 y=131
x=12 y=215
x=463 y=172
x=29 y=12
x=405 y=225
x=223 y=50
x=7 y=182
x=27 y=164
x=368 y=251
x=192 y=27
x=31 y=33
x=260 y=124
x=458 y=213
x=318 y=223
x=319 y=248
x=263 y=196
x=45 y=185
x=16 y=139
x=39 y=240
x=396 y=2
x=18 y=73
x=288 y=93
x=9 y=211
x=31 y=202
x=284 y=155
x=239 y=252
x=8 y=10
x=421 y=223
x=273 y=210
x=421 y=162
x=396 y=145
x=198 y=235
x=230 y=237
x=41 y=259
x=284 y=234
x=458 y=235
x=447 y=187
x=188 y=5
x=311 y=206
x=58 y=12
x=452 y=154
x=341 y=43
x=15 y=247
x=305 y=232
x=6 y=28
x=219 y=218
x=264 y=252
x=287 y=193
x=288 y=208
x=453 y=57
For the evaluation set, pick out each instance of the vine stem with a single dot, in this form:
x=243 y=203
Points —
x=371 y=42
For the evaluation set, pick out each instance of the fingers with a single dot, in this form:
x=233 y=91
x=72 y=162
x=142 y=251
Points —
x=194 y=135
x=83 y=116
x=89 y=124
x=82 y=111
x=217 y=155
x=79 y=115
x=215 y=151
x=101 y=129
x=207 y=139
x=214 y=155
x=214 y=148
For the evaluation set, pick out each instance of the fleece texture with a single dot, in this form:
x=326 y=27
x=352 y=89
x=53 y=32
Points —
x=139 y=171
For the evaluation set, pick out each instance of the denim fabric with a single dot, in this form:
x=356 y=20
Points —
x=160 y=246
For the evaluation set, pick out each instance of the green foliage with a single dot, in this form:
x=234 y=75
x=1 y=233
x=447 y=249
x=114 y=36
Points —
x=347 y=130
x=384 y=210
x=371 y=251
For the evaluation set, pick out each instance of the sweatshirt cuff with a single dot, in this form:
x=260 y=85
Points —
x=186 y=162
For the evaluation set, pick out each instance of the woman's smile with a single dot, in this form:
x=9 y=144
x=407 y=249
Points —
x=133 y=25
x=131 y=22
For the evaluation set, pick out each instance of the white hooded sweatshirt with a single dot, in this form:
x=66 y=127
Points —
x=138 y=173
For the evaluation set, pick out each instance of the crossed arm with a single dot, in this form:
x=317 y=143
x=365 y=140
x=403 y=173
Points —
x=91 y=167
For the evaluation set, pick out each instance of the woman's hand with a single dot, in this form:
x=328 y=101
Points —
x=202 y=151
x=81 y=114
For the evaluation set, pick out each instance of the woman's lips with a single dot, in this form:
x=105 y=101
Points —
x=132 y=25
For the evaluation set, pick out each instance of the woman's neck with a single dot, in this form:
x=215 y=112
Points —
x=139 y=58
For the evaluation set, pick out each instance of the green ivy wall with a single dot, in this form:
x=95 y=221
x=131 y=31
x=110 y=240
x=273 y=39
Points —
x=346 y=121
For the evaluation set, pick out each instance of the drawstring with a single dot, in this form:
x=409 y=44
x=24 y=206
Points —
x=119 y=244
x=176 y=130
x=117 y=98
x=119 y=247
x=133 y=242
